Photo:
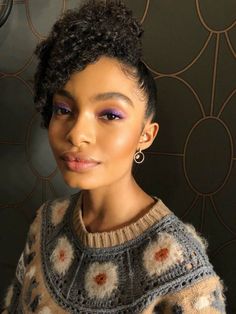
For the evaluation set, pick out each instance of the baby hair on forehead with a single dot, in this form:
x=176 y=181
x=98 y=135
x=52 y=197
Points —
x=80 y=37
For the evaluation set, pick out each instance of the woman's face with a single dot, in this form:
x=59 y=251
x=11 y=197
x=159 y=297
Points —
x=96 y=125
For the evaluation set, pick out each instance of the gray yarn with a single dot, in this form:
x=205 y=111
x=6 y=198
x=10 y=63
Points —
x=136 y=289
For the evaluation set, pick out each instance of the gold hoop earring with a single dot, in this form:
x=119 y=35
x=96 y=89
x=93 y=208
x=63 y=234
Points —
x=139 y=157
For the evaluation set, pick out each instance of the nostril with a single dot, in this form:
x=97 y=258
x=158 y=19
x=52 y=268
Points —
x=77 y=137
x=81 y=129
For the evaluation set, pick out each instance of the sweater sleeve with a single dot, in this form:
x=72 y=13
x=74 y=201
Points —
x=203 y=297
x=12 y=302
x=12 y=298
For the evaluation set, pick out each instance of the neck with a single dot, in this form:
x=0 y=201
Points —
x=115 y=206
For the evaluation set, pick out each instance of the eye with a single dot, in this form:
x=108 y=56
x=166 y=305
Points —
x=60 y=110
x=111 y=115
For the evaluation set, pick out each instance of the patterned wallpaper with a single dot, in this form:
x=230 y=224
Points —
x=190 y=46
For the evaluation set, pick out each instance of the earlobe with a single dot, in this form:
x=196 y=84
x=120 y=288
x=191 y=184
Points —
x=144 y=137
x=148 y=135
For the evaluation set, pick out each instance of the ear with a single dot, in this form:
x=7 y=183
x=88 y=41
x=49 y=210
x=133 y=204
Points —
x=148 y=135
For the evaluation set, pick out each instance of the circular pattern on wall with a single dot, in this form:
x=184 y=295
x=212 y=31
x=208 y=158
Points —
x=216 y=15
x=174 y=46
x=139 y=8
x=42 y=15
x=16 y=109
x=208 y=155
x=15 y=173
x=5 y=11
x=175 y=120
x=13 y=38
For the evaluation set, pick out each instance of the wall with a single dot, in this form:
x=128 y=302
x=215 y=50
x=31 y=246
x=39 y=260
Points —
x=190 y=46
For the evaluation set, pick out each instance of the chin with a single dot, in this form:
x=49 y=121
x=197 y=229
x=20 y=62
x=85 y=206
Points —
x=80 y=183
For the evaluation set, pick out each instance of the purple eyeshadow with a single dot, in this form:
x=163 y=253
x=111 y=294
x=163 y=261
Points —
x=114 y=112
x=61 y=106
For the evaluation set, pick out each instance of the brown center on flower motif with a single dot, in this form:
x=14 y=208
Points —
x=161 y=255
x=62 y=255
x=100 y=279
x=60 y=210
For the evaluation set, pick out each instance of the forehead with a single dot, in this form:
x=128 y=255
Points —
x=105 y=75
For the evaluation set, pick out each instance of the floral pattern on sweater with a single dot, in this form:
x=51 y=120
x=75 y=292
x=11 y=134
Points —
x=164 y=269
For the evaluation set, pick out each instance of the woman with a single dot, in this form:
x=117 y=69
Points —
x=110 y=248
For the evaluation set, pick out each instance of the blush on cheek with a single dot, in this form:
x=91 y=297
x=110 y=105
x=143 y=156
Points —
x=126 y=143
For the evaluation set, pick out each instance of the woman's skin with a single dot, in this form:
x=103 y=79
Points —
x=97 y=126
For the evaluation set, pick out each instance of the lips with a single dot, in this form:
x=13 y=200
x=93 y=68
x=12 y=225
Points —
x=79 y=162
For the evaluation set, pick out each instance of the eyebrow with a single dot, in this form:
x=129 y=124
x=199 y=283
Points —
x=99 y=97
x=65 y=93
x=113 y=95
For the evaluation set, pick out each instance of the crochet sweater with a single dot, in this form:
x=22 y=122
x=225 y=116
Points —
x=157 y=264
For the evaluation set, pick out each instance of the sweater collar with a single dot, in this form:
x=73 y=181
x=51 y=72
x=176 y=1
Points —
x=121 y=235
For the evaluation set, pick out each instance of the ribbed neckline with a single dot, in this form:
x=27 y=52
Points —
x=119 y=236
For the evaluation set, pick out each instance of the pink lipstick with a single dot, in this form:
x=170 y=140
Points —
x=78 y=162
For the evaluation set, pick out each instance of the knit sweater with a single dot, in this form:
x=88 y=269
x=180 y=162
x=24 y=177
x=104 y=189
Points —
x=157 y=264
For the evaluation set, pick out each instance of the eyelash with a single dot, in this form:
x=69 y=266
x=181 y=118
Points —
x=61 y=110
x=113 y=114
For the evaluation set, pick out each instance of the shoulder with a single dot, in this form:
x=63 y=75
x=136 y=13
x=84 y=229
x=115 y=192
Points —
x=175 y=250
x=179 y=232
x=177 y=257
x=54 y=210
x=58 y=207
x=176 y=229
x=49 y=216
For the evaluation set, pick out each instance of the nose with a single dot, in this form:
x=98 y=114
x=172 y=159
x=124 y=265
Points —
x=81 y=131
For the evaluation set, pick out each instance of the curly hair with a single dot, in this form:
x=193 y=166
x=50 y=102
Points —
x=80 y=37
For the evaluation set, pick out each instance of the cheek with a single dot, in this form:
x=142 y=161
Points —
x=121 y=144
